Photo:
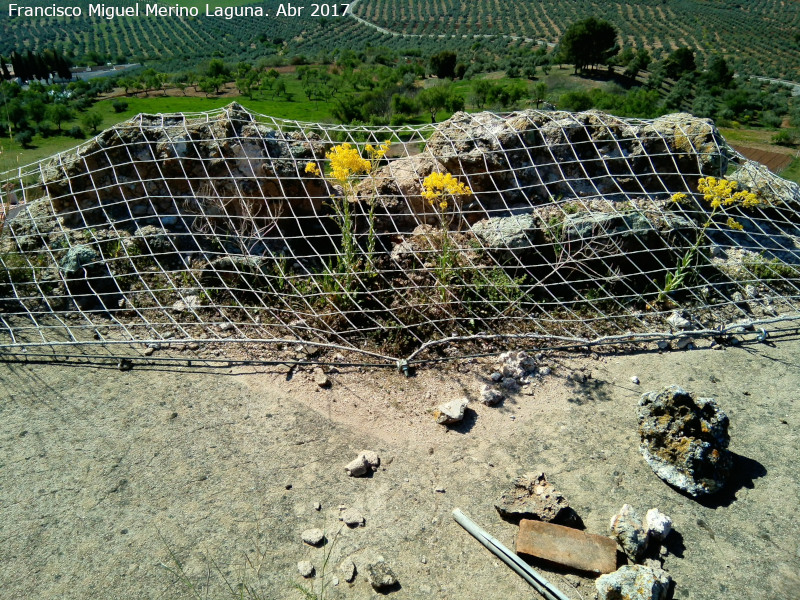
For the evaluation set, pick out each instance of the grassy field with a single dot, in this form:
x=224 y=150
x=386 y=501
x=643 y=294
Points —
x=299 y=108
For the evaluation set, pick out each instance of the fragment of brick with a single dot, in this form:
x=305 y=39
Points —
x=566 y=546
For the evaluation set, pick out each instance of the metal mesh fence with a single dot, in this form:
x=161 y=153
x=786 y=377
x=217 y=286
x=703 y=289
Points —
x=228 y=226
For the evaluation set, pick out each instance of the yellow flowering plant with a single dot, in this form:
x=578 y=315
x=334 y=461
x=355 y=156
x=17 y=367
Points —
x=720 y=194
x=440 y=189
x=346 y=168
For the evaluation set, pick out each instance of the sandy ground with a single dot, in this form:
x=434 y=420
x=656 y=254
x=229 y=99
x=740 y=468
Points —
x=177 y=482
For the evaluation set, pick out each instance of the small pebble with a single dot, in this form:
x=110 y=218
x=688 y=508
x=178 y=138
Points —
x=496 y=376
x=348 y=570
x=317 y=506
x=313 y=537
x=352 y=518
x=635 y=380
x=440 y=490
x=305 y=568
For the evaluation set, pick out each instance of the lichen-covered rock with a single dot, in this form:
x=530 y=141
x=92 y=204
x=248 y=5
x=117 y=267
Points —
x=634 y=582
x=78 y=257
x=629 y=530
x=533 y=497
x=685 y=440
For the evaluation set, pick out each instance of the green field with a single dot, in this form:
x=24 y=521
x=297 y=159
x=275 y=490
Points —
x=758 y=37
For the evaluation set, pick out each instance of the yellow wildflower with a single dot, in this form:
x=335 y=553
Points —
x=679 y=197
x=312 y=169
x=347 y=162
x=436 y=185
x=733 y=224
x=443 y=204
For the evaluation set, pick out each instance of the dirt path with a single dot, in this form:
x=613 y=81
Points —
x=108 y=479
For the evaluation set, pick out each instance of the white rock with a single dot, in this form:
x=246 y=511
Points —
x=367 y=460
x=305 y=568
x=313 y=537
x=451 y=412
x=352 y=518
x=678 y=321
x=348 y=570
x=658 y=524
x=662 y=344
x=684 y=342
x=635 y=380
x=545 y=371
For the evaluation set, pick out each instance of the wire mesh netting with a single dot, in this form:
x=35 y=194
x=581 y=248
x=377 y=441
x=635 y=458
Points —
x=394 y=242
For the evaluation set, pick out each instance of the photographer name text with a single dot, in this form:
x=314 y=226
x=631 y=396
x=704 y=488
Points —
x=111 y=12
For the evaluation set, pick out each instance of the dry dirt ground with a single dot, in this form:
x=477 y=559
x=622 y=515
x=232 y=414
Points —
x=185 y=482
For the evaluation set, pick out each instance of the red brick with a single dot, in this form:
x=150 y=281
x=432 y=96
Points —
x=567 y=546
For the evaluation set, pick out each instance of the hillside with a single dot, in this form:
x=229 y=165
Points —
x=758 y=37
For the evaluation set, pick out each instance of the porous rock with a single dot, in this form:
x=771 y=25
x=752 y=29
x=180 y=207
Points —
x=451 y=412
x=685 y=440
x=627 y=528
x=533 y=497
x=634 y=582
x=381 y=576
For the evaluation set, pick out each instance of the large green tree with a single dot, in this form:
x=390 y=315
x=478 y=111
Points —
x=589 y=43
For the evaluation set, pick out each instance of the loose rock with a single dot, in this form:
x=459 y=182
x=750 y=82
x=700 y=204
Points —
x=678 y=321
x=635 y=380
x=490 y=396
x=533 y=497
x=634 y=582
x=627 y=528
x=381 y=577
x=658 y=524
x=365 y=462
x=451 y=412
x=352 y=518
x=685 y=440
x=313 y=537
x=305 y=568
x=348 y=570
x=321 y=379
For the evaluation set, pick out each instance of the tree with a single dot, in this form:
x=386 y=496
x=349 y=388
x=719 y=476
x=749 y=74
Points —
x=589 y=42
x=119 y=106
x=440 y=97
x=443 y=64
x=92 y=120
x=540 y=93
x=640 y=61
x=24 y=138
x=58 y=113
x=718 y=73
x=680 y=62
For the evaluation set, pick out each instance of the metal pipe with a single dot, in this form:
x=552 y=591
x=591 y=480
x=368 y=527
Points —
x=539 y=583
